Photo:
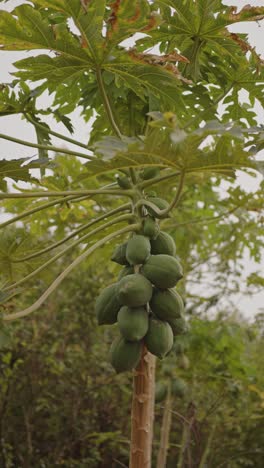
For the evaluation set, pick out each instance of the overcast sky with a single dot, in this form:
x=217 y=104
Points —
x=13 y=125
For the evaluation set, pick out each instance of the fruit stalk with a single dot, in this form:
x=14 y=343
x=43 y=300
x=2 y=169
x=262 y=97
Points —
x=142 y=412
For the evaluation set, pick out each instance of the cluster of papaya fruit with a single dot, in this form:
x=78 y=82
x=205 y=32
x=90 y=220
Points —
x=143 y=302
x=178 y=388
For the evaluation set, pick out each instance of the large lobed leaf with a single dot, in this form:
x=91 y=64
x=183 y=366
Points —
x=170 y=147
x=19 y=170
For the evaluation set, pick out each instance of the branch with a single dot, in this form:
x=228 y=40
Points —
x=64 y=274
x=73 y=234
x=173 y=204
x=56 y=134
x=45 y=147
x=209 y=219
x=106 y=103
x=40 y=208
x=177 y=197
x=128 y=193
x=64 y=251
x=157 y=180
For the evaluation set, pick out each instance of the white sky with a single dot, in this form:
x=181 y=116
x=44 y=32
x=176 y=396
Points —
x=13 y=125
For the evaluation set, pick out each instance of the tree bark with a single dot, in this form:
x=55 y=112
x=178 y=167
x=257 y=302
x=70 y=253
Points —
x=142 y=412
x=165 y=432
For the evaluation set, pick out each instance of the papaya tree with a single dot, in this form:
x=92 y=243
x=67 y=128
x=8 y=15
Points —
x=149 y=78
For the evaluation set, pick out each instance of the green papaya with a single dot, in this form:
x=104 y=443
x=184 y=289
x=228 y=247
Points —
x=163 y=244
x=178 y=387
x=124 y=182
x=183 y=361
x=134 y=290
x=160 y=203
x=163 y=271
x=178 y=346
x=151 y=193
x=127 y=270
x=138 y=249
x=151 y=228
x=125 y=355
x=159 y=338
x=161 y=390
x=179 y=326
x=149 y=173
x=133 y=323
x=119 y=254
x=166 y=304
x=107 y=305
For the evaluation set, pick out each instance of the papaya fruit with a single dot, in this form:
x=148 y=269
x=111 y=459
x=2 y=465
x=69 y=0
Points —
x=133 y=322
x=178 y=387
x=159 y=338
x=125 y=355
x=161 y=391
x=166 y=304
x=149 y=173
x=179 y=326
x=151 y=193
x=124 y=182
x=107 y=305
x=151 y=228
x=163 y=244
x=127 y=270
x=134 y=290
x=178 y=346
x=163 y=271
x=160 y=203
x=183 y=361
x=138 y=249
x=119 y=254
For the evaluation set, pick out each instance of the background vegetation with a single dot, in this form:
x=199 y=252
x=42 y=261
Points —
x=155 y=104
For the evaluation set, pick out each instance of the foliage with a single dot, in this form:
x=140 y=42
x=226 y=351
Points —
x=150 y=78
x=58 y=387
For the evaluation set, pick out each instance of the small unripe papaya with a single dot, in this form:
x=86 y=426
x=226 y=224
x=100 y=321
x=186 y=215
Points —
x=149 y=173
x=159 y=339
x=134 y=290
x=151 y=228
x=133 y=322
x=125 y=355
x=161 y=204
x=119 y=254
x=161 y=390
x=183 y=361
x=163 y=244
x=124 y=182
x=107 y=305
x=179 y=326
x=166 y=304
x=138 y=249
x=127 y=270
x=163 y=271
x=178 y=387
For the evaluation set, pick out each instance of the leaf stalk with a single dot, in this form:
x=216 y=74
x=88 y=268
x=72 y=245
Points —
x=65 y=273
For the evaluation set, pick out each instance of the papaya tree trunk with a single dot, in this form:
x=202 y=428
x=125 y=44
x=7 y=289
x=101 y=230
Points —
x=165 y=432
x=142 y=412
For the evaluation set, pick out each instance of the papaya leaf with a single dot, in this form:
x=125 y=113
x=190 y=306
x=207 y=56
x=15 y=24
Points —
x=126 y=18
x=43 y=138
x=144 y=79
x=19 y=170
x=26 y=29
x=173 y=148
x=201 y=28
x=66 y=121
x=88 y=18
